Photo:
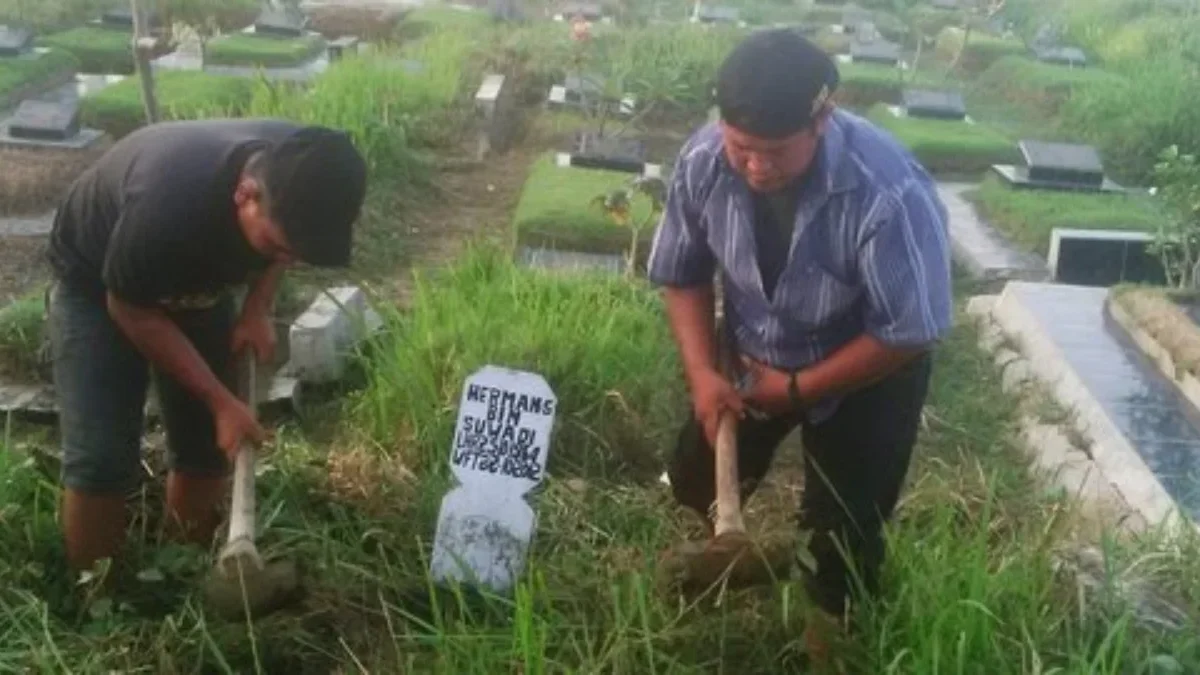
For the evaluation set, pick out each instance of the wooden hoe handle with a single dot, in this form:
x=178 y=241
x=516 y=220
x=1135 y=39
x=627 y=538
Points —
x=729 y=496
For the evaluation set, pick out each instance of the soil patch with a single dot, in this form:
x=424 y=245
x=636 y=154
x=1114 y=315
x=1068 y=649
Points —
x=36 y=178
x=22 y=266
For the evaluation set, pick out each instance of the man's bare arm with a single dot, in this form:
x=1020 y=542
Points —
x=691 y=312
x=857 y=364
x=165 y=345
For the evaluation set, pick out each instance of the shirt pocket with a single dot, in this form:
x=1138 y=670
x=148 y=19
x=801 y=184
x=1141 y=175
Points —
x=817 y=299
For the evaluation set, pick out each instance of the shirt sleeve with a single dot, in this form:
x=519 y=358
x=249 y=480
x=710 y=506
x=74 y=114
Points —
x=906 y=265
x=142 y=256
x=680 y=255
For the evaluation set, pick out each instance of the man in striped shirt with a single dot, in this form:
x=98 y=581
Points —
x=832 y=250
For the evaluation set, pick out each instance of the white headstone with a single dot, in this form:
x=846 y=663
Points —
x=501 y=444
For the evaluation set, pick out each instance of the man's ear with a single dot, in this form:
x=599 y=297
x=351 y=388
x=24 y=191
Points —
x=822 y=118
x=247 y=190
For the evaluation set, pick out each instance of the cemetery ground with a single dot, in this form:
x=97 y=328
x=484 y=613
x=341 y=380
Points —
x=989 y=563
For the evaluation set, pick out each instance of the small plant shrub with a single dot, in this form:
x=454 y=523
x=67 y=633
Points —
x=118 y=109
x=982 y=50
x=21 y=77
x=947 y=147
x=240 y=49
x=21 y=334
x=1027 y=216
x=557 y=210
x=1177 y=241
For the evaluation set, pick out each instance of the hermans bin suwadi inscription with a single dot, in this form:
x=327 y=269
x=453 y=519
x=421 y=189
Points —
x=499 y=453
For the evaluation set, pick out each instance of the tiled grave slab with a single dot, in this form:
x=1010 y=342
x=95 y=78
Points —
x=566 y=159
x=27 y=226
x=978 y=247
x=301 y=73
x=934 y=104
x=1144 y=435
x=123 y=16
x=1063 y=162
x=882 y=52
x=1067 y=56
x=37 y=399
x=1103 y=257
x=613 y=153
x=45 y=121
x=569 y=261
x=14 y=40
x=717 y=14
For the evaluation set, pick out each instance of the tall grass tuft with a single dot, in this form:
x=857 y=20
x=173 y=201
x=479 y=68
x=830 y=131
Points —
x=601 y=344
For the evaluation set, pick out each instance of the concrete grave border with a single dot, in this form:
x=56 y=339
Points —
x=1107 y=474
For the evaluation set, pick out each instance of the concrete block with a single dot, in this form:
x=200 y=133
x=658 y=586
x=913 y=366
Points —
x=324 y=336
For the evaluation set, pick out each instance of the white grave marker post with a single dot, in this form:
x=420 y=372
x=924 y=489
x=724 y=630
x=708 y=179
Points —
x=501 y=444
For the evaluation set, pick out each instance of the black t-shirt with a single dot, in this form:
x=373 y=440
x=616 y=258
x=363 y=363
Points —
x=154 y=222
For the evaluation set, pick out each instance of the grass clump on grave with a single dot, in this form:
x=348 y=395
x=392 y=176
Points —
x=1028 y=215
x=22 y=76
x=557 y=210
x=182 y=95
x=1039 y=88
x=1169 y=316
x=866 y=84
x=981 y=51
x=98 y=49
x=264 y=51
x=22 y=331
x=948 y=147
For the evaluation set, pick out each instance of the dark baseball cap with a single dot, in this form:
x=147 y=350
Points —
x=317 y=181
x=774 y=83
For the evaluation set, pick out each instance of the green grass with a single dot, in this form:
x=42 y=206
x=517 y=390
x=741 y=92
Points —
x=1028 y=216
x=947 y=147
x=99 y=49
x=21 y=75
x=21 y=333
x=1039 y=88
x=969 y=584
x=240 y=49
x=982 y=49
x=181 y=95
x=555 y=210
x=866 y=84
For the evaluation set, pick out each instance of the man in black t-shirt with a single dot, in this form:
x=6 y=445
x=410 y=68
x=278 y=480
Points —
x=147 y=246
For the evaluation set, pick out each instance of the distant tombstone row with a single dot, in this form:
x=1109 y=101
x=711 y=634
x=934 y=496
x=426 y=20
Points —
x=15 y=41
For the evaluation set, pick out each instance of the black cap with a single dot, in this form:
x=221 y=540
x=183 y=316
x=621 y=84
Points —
x=774 y=82
x=317 y=181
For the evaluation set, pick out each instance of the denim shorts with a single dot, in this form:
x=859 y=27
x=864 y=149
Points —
x=101 y=381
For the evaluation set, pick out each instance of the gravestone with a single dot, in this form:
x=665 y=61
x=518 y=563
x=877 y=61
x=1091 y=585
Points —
x=499 y=453
x=1066 y=164
x=882 y=52
x=321 y=341
x=1103 y=258
x=123 y=16
x=281 y=21
x=342 y=46
x=934 y=104
x=717 y=14
x=15 y=41
x=613 y=153
x=45 y=121
x=1066 y=56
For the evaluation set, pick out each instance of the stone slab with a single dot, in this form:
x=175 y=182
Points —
x=27 y=226
x=281 y=21
x=934 y=104
x=1018 y=177
x=1070 y=163
x=15 y=41
x=45 y=121
x=37 y=399
x=881 y=52
x=321 y=339
x=1066 y=56
x=984 y=252
x=717 y=14
x=1144 y=438
x=569 y=261
x=1103 y=257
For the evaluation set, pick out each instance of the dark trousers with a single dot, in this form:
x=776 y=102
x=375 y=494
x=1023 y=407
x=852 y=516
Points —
x=855 y=463
x=101 y=380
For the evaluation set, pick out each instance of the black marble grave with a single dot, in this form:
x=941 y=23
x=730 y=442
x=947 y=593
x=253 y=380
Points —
x=587 y=10
x=880 y=51
x=342 y=46
x=1063 y=163
x=45 y=121
x=717 y=14
x=934 y=104
x=1066 y=56
x=281 y=21
x=1103 y=258
x=612 y=153
x=15 y=41
x=123 y=16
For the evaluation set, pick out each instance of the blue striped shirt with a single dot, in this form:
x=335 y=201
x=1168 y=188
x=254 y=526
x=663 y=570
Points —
x=869 y=250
